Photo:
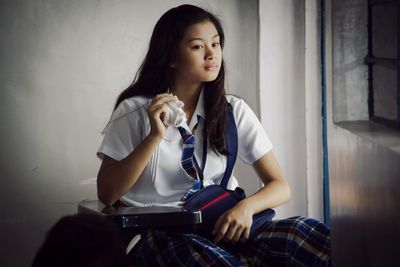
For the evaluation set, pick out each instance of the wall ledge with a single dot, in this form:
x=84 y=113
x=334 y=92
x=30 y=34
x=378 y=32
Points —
x=376 y=133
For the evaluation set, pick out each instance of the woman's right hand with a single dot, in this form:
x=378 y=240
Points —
x=157 y=111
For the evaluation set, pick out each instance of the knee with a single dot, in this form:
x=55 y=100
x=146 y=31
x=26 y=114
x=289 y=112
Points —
x=306 y=228
x=313 y=224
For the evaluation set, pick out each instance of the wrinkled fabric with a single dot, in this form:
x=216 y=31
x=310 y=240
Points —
x=296 y=241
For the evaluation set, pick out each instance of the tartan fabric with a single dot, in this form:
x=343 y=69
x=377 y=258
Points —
x=158 y=248
x=294 y=242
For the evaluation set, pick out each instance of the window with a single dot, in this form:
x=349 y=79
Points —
x=383 y=62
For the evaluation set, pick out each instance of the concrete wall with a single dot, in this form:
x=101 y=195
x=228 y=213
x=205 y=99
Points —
x=350 y=73
x=63 y=65
x=363 y=157
x=365 y=197
x=384 y=45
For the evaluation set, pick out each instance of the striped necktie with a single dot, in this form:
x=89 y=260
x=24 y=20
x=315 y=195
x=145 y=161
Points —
x=187 y=153
x=187 y=160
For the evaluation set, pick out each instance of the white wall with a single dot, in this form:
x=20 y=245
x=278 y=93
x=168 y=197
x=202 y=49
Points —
x=313 y=104
x=63 y=65
x=290 y=98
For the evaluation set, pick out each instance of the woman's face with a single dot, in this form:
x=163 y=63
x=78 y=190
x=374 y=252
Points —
x=199 y=54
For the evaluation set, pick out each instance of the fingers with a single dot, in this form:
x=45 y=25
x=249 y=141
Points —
x=233 y=228
x=157 y=107
x=218 y=224
x=237 y=235
x=162 y=98
x=230 y=230
x=220 y=229
x=157 y=112
x=245 y=235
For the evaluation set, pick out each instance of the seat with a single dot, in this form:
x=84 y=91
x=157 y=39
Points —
x=134 y=220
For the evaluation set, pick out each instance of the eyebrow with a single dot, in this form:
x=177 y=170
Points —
x=201 y=39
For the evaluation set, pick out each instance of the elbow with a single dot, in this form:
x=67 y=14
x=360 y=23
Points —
x=105 y=199
x=104 y=195
x=288 y=192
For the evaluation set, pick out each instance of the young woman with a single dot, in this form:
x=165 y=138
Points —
x=141 y=155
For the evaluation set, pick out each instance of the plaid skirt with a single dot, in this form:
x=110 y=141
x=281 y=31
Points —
x=296 y=241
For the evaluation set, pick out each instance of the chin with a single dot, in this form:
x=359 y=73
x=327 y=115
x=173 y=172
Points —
x=209 y=78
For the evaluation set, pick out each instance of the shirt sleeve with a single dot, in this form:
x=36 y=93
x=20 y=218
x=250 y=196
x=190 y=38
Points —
x=122 y=134
x=253 y=142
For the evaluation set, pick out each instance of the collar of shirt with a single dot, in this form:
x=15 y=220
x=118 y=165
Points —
x=198 y=113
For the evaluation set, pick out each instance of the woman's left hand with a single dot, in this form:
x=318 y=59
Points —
x=234 y=224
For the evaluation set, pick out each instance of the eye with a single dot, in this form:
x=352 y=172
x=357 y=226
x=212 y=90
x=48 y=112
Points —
x=196 y=47
x=215 y=44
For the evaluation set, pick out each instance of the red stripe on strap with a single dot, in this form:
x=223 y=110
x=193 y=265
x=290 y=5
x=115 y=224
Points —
x=220 y=197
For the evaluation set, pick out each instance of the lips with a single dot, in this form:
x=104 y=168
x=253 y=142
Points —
x=210 y=67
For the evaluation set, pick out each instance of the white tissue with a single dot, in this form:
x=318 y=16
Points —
x=175 y=115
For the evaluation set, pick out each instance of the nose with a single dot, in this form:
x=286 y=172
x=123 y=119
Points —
x=210 y=53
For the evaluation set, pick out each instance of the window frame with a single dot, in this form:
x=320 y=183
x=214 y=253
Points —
x=370 y=60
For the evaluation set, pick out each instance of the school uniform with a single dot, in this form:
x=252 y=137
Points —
x=297 y=241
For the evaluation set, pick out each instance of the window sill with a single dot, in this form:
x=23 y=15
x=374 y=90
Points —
x=374 y=132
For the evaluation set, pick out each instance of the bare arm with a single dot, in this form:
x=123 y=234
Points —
x=115 y=178
x=235 y=224
x=276 y=190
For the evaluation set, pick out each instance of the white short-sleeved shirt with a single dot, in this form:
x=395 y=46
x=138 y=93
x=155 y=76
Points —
x=163 y=181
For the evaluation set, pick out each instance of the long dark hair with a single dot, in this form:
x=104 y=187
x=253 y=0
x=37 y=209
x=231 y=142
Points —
x=155 y=74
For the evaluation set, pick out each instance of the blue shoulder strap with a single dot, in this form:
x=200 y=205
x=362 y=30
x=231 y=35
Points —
x=232 y=146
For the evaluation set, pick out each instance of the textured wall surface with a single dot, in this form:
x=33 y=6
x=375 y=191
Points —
x=365 y=199
x=384 y=45
x=63 y=65
x=363 y=157
x=350 y=73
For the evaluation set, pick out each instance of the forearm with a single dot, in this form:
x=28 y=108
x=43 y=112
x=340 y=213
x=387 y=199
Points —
x=276 y=190
x=117 y=178
x=236 y=223
x=273 y=194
